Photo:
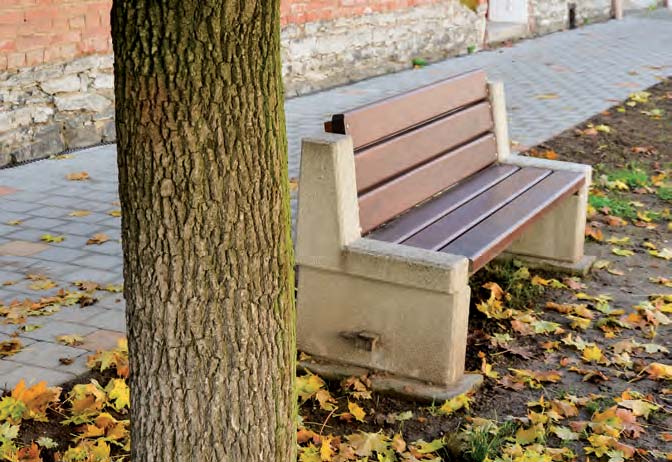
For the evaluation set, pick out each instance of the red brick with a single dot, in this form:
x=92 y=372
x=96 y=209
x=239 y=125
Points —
x=12 y=17
x=35 y=57
x=31 y=42
x=16 y=60
x=41 y=18
x=3 y=62
x=7 y=45
x=9 y=31
x=77 y=22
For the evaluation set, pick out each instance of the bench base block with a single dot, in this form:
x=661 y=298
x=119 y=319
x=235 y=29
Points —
x=579 y=268
x=388 y=384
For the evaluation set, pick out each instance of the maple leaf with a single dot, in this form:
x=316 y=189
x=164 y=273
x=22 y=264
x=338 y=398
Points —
x=78 y=176
x=398 y=443
x=622 y=252
x=98 y=239
x=10 y=347
x=665 y=254
x=52 y=239
x=525 y=436
x=658 y=371
x=565 y=433
x=37 y=399
x=308 y=385
x=29 y=454
x=118 y=393
x=357 y=387
x=70 y=340
x=326 y=451
x=455 y=404
x=639 y=407
x=365 y=444
x=327 y=402
x=357 y=412
x=592 y=353
x=44 y=284
x=86 y=400
x=117 y=358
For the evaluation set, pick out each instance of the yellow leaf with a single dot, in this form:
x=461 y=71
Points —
x=356 y=411
x=14 y=222
x=658 y=371
x=119 y=393
x=98 y=239
x=592 y=353
x=622 y=252
x=114 y=213
x=70 y=340
x=619 y=240
x=79 y=176
x=545 y=96
x=52 y=239
x=80 y=213
x=665 y=254
x=326 y=452
x=10 y=347
x=455 y=404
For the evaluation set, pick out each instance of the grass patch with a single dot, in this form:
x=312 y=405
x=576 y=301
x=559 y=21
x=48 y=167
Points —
x=634 y=177
x=618 y=207
x=665 y=193
x=485 y=443
x=513 y=277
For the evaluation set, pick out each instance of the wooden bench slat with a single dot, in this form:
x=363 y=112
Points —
x=461 y=220
x=386 y=160
x=374 y=122
x=427 y=213
x=396 y=196
x=493 y=235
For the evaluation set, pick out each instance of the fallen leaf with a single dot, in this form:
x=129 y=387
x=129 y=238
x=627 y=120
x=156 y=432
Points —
x=98 y=239
x=10 y=347
x=52 y=239
x=80 y=213
x=79 y=176
x=70 y=340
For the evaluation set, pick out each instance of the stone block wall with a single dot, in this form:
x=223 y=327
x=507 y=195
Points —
x=54 y=107
x=335 y=50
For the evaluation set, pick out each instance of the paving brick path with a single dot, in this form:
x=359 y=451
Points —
x=552 y=82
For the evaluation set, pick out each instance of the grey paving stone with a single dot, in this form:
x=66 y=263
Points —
x=50 y=212
x=62 y=254
x=45 y=354
x=87 y=274
x=77 y=315
x=112 y=303
x=102 y=262
x=78 y=229
x=53 y=329
x=12 y=373
x=17 y=206
x=110 y=320
x=42 y=223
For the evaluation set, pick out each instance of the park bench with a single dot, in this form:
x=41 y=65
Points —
x=399 y=204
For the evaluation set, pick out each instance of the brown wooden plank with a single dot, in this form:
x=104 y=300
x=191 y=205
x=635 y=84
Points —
x=394 y=197
x=461 y=220
x=427 y=213
x=493 y=235
x=399 y=154
x=373 y=122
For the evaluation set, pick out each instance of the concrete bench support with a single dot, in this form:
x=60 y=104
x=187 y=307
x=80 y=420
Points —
x=372 y=304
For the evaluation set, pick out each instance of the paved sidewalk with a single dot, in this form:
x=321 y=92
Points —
x=553 y=83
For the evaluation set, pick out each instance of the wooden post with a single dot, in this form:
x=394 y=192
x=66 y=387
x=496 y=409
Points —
x=617 y=8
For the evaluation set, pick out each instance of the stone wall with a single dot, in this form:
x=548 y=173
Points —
x=326 y=53
x=54 y=107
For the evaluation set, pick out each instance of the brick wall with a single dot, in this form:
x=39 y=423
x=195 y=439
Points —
x=34 y=32
x=303 y=11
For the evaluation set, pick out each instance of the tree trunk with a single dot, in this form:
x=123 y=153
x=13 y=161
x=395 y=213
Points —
x=206 y=229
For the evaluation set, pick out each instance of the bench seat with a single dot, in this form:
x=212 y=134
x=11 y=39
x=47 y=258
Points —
x=483 y=214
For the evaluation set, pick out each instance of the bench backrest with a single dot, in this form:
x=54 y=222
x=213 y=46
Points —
x=412 y=146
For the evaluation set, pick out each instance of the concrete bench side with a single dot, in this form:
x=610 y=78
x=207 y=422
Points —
x=558 y=237
x=373 y=304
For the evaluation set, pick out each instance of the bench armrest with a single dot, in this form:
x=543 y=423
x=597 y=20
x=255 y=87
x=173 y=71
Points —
x=404 y=265
x=525 y=161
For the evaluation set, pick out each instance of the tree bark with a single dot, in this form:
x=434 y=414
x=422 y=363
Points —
x=206 y=229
